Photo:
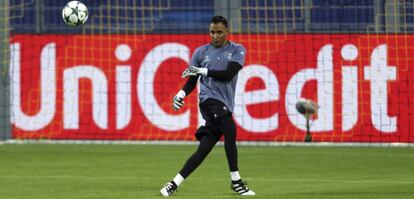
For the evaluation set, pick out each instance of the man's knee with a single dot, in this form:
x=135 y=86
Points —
x=228 y=128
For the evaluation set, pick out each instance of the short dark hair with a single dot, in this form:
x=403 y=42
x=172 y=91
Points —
x=219 y=19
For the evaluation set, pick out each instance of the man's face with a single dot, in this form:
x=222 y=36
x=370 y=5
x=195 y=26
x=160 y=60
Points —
x=218 y=34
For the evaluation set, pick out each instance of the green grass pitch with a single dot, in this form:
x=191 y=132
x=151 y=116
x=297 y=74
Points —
x=43 y=171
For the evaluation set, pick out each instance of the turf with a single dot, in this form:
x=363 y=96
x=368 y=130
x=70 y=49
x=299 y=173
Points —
x=35 y=171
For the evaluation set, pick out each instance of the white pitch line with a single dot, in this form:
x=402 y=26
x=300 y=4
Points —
x=241 y=143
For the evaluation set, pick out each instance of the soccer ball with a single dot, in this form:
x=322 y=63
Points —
x=75 y=13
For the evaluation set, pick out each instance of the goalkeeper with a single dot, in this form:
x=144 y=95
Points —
x=216 y=64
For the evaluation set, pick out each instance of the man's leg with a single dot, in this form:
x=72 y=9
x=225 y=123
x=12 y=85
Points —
x=207 y=143
x=227 y=126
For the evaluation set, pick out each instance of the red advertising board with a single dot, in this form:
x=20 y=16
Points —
x=119 y=87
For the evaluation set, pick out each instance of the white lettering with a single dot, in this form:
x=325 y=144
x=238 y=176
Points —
x=379 y=73
x=145 y=87
x=47 y=89
x=349 y=88
x=269 y=94
x=323 y=74
x=71 y=107
x=123 y=96
x=123 y=87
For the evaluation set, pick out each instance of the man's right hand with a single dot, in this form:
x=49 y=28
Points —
x=178 y=100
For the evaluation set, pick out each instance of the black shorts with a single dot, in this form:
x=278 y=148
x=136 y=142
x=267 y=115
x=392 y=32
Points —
x=212 y=111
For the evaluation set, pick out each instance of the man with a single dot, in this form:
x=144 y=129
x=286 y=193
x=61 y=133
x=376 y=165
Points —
x=217 y=65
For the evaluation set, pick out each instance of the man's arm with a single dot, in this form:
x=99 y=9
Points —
x=227 y=74
x=190 y=84
x=231 y=70
x=178 y=100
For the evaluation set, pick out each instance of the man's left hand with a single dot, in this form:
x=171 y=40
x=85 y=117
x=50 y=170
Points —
x=194 y=71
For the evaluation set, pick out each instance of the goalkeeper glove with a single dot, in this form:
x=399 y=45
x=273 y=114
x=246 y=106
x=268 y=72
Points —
x=194 y=71
x=178 y=100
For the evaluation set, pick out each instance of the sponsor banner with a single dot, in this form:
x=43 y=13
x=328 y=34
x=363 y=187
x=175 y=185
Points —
x=120 y=87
